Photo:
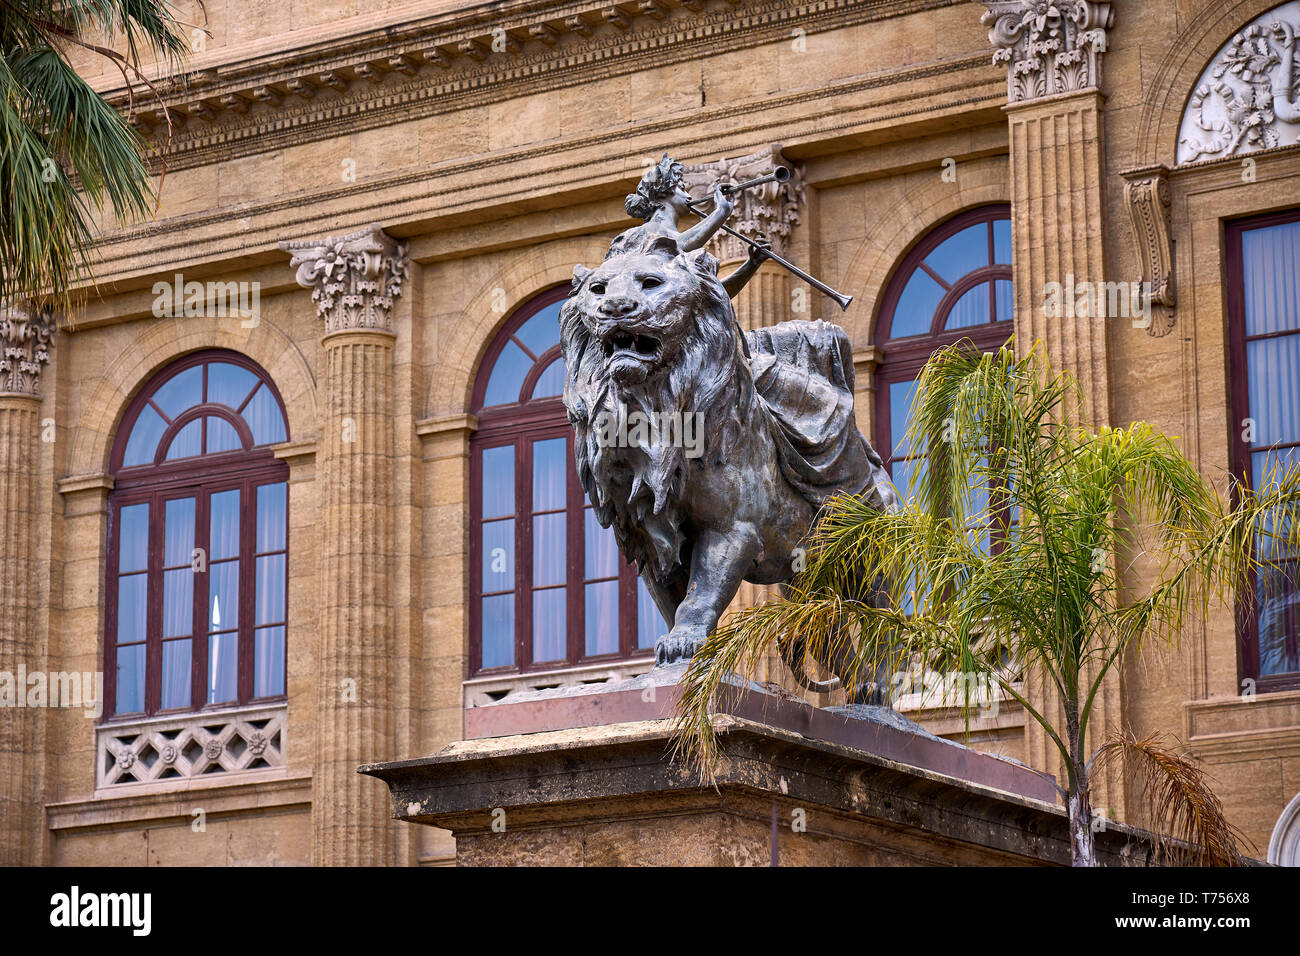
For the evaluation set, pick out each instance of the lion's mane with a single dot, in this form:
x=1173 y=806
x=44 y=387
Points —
x=637 y=491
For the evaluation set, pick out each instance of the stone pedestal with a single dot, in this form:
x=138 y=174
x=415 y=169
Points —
x=608 y=795
x=585 y=777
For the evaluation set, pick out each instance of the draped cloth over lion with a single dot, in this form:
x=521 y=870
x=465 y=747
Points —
x=803 y=373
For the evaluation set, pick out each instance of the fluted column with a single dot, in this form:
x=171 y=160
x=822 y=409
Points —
x=25 y=339
x=1053 y=55
x=355 y=280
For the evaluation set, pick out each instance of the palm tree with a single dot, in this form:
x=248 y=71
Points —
x=1006 y=561
x=65 y=153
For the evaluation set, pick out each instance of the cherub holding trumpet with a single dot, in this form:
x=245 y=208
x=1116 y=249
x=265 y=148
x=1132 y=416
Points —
x=660 y=201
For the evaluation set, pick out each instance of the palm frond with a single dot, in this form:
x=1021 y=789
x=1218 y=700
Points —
x=1186 y=815
x=67 y=156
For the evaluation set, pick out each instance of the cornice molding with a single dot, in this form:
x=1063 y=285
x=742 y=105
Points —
x=495 y=170
x=448 y=62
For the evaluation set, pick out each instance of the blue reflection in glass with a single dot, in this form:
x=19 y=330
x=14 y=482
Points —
x=551 y=381
x=223 y=668
x=971 y=309
x=602 y=618
x=915 y=309
x=178 y=532
x=130 y=680
x=650 y=624
x=272 y=516
x=548 y=625
x=143 y=443
x=498 y=630
x=268 y=662
x=223 y=525
x=499 y=481
x=541 y=331
x=264 y=418
x=132 y=605
x=133 y=538
x=229 y=384
x=549 y=474
x=175 y=674
x=507 y=376
x=181 y=391
x=222 y=435
x=961 y=254
x=187 y=442
x=498 y=555
x=1002 y=242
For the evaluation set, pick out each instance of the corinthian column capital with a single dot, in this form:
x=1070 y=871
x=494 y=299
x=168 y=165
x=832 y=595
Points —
x=1049 y=46
x=25 y=337
x=354 y=278
x=769 y=211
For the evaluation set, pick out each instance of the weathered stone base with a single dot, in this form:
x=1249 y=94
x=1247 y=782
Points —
x=610 y=795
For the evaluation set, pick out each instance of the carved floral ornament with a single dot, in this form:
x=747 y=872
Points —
x=1248 y=98
x=769 y=211
x=25 y=338
x=1049 y=46
x=354 y=278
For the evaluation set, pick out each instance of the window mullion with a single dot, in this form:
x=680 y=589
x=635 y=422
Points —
x=153 y=609
x=202 y=539
x=247 y=593
x=576 y=522
x=523 y=552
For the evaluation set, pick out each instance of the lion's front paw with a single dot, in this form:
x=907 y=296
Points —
x=680 y=644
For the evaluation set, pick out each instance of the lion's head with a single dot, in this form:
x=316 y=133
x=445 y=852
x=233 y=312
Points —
x=650 y=330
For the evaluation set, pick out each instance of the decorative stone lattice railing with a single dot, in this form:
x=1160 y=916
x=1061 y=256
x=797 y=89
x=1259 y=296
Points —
x=481 y=691
x=190 y=745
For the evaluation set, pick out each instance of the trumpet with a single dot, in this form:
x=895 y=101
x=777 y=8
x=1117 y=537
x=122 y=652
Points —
x=779 y=174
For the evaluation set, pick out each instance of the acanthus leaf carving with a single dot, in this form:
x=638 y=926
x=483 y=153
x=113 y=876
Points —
x=25 y=335
x=769 y=211
x=354 y=278
x=1048 y=46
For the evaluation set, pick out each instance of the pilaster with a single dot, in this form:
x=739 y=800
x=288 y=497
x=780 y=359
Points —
x=355 y=280
x=25 y=339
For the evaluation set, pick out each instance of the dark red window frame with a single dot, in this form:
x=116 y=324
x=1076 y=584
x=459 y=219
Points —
x=519 y=424
x=904 y=357
x=1247 y=611
x=200 y=478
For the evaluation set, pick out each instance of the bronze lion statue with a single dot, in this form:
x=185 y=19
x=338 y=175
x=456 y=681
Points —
x=649 y=333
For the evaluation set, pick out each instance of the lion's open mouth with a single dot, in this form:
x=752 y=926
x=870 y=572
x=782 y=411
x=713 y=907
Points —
x=643 y=348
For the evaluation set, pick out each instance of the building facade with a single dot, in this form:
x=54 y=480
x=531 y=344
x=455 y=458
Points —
x=293 y=489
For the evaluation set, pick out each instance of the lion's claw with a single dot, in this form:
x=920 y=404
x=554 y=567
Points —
x=677 y=647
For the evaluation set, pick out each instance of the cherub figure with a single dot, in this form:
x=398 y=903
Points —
x=660 y=201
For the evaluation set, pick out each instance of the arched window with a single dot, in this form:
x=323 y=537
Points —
x=198 y=541
x=549 y=587
x=955 y=284
x=1263 y=256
